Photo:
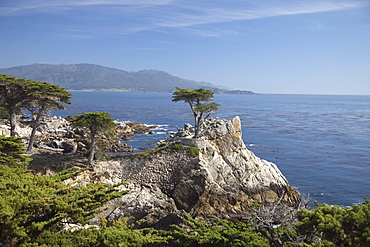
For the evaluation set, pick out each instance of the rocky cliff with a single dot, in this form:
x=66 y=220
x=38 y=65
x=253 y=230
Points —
x=223 y=179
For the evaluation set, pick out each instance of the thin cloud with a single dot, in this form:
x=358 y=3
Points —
x=316 y=25
x=196 y=17
x=218 y=15
x=21 y=7
x=204 y=16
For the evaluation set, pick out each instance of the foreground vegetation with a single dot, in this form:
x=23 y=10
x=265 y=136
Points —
x=38 y=210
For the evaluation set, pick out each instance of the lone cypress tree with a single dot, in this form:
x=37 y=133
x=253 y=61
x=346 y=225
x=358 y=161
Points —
x=200 y=104
x=97 y=123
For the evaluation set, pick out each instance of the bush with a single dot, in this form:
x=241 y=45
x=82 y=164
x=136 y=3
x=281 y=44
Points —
x=339 y=226
x=193 y=151
x=12 y=152
x=217 y=232
x=34 y=205
x=118 y=233
x=176 y=147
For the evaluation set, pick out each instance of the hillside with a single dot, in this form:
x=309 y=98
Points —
x=96 y=77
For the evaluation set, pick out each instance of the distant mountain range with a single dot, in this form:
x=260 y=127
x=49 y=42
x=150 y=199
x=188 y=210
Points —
x=95 y=77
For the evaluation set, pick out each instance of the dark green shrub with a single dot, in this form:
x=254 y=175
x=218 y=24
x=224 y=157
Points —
x=217 y=232
x=340 y=226
x=34 y=205
x=119 y=233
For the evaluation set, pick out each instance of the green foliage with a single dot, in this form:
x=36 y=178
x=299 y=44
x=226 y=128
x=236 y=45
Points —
x=45 y=95
x=34 y=205
x=255 y=204
x=12 y=152
x=118 y=233
x=216 y=232
x=340 y=226
x=193 y=151
x=3 y=113
x=200 y=103
x=176 y=147
x=95 y=122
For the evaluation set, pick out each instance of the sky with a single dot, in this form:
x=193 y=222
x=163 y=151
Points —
x=266 y=46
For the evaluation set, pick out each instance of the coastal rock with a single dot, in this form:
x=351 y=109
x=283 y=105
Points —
x=58 y=134
x=4 y=130
x=230 y=175
x=224 y=179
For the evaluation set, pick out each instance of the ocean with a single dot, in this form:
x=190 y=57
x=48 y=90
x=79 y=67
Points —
x=321 y=143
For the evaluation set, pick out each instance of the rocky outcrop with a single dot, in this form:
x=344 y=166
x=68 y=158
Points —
x=234 y=176
x=223 y=179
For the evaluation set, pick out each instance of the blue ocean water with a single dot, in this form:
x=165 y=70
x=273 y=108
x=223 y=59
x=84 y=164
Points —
x=321 y=143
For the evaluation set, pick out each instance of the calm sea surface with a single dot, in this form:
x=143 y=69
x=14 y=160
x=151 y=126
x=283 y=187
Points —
x=320 y=143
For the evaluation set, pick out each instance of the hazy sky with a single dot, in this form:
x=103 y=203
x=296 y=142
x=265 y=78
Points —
x=267 y=46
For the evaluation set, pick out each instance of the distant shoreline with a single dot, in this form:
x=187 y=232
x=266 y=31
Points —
x=133 y=91
x=287 y=94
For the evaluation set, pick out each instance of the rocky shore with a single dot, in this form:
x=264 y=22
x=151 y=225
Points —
x=57 y=134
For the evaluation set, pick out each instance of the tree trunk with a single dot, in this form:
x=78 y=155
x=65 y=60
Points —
x=33 y=133
x=197 y=127
x=92 y=150
x=13 y=121
x=198 y=121
x=196 y=130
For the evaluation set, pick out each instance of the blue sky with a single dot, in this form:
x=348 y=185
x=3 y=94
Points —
x=267 y=46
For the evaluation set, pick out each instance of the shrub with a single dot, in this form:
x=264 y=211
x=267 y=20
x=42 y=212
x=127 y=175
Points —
x=217 y=232
x=340 y=226
x=176 y=147
x=34 y=205
x=193 y=151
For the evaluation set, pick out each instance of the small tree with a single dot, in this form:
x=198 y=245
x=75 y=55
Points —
x=97 y=123
x=44 y=98
x=200 y=104
x=13 y=91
